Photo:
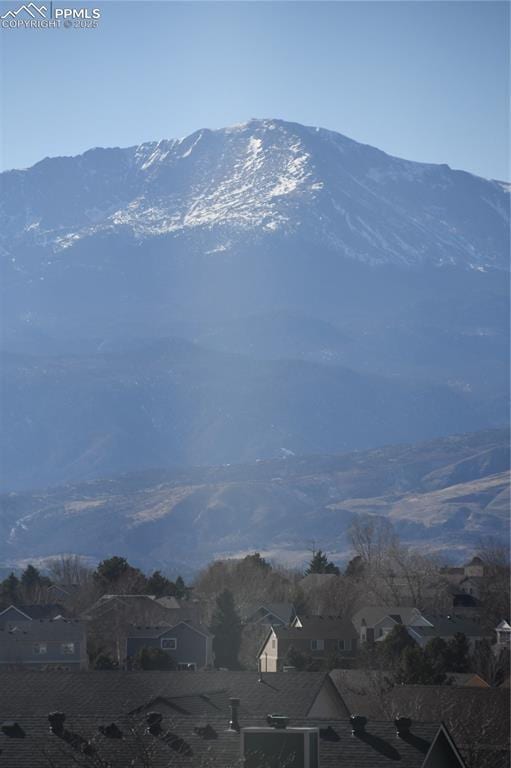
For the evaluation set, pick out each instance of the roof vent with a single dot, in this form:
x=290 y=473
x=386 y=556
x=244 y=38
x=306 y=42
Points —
x=403 y=725
x=233 y=722
x=13 y=730
x=110 y=731
x=57 y=720
x=279 y=722
x=358 y=725
x=153 y=720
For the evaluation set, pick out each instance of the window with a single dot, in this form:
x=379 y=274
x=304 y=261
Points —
x=169 y=643
x=40 y=649
x=317 y=645
x=273 y=643
x=67 y=648
x=344 y=645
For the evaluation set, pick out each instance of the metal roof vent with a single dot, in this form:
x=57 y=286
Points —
x=279 y=722
x=358 y=725
x=403 y=725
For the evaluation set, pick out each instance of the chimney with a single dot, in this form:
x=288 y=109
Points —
x=57 y=720
x=358 y=725
x=403 y=725
x=279 y=722
x=233 y=722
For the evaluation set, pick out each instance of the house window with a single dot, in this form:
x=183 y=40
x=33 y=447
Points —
x=317 y=645
x=273 y=643
x=169 y=643
x=344 y=645
x=67 y=648
x=40 y=649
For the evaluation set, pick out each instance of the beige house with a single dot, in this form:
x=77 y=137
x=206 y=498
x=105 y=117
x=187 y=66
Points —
x=317 y=638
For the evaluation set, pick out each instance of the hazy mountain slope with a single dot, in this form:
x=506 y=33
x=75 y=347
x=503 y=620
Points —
x=185 y=517
x=69 y=418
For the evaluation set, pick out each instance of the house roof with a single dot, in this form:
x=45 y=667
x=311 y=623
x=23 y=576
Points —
x=140 y=631
x=95 y=692
x=478 y=717
x=35 y=611
x=44 y=629
x=372 y=614
x=284 y=611
x=445 y=626
x=169 y=602
x=188 y=743
x=318 y=628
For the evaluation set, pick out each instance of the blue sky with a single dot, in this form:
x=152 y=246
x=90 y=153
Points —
x=424 y=80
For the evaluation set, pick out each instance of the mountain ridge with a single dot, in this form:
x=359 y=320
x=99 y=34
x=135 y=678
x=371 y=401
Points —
x=442 y=495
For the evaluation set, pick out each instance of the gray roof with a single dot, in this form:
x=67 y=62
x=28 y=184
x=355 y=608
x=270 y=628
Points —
x=36 y=611
x=189 y=743
x=45 y=629
x=140 y=631
x=25 y=693
x=284 y=611
x=477 y=717
x=318 y=628
x=445 y=626
x=375 y=613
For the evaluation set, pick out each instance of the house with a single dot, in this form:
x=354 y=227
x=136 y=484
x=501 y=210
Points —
x=270 y=614
x=316 y=637
x=189 y=645
x=110 y=618
x=477 y=716
x=44 y=643
x=446 y=627
x=374 y=622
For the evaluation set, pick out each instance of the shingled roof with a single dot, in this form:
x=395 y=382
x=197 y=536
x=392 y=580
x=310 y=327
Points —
x=200 y=693
x=477 y=717
x=185 y=742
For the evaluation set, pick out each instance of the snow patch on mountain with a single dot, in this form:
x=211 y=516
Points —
x=263 y=178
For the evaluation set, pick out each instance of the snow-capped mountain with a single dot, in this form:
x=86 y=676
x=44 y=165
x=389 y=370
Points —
x=264 y=177
x=243 y=293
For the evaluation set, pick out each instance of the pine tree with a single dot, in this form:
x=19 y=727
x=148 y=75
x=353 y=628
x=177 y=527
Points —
x=458 y=653
x=226 y=628
x=159 y=585
x=10 y=589
x=321 y=564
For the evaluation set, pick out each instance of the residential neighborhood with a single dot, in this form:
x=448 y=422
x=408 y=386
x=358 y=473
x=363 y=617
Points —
x=212 y=666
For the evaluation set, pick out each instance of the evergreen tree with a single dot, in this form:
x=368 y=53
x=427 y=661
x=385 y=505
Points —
x=416 y=668
x=159 y=585
x=436 y=653
x=116 y=574
x=226 y=628
x=458 y=653
x=10 y=589
x=320 y=564
x=394 y=644
x=181 y=591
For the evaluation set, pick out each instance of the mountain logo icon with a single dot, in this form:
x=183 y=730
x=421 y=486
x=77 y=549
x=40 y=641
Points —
x=31 y=9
